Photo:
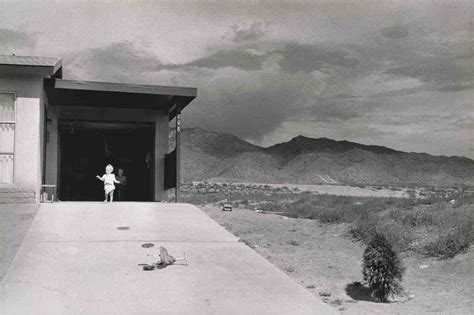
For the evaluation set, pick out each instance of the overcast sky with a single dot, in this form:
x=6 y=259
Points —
x=393 y=73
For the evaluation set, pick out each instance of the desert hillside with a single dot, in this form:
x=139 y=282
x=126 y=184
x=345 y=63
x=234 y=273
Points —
x=215 y=156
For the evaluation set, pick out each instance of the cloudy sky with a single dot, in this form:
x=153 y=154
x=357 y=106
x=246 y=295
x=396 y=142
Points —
x=393 y=73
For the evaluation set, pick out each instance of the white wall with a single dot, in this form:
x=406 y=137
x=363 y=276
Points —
x=28 y=151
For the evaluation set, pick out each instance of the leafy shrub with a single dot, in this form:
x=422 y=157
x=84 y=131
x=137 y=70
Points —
x=382 y=269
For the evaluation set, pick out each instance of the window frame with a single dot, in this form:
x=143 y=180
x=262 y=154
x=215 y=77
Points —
x=8 y=122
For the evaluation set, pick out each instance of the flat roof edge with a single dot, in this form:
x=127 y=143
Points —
x=9 y=66
x=30 y=69
x=122 y=87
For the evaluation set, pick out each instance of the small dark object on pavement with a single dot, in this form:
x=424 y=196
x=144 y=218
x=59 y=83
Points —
x=227 y=207
x=148 y=267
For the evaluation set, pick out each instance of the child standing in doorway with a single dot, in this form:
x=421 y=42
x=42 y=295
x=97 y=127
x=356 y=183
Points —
x=109 y=182
x=121 y=187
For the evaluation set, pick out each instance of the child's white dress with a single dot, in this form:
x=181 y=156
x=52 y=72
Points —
x=109 y=182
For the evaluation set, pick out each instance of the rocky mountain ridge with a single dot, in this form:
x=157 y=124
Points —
x=213 y=156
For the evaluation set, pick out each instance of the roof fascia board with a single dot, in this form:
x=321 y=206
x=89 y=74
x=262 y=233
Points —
x=124 y=88
x=29 y=69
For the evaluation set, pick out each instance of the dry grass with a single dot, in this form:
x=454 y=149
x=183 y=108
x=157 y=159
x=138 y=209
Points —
x=434 y=226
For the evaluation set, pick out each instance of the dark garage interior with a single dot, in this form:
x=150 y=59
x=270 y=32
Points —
x=87 y=147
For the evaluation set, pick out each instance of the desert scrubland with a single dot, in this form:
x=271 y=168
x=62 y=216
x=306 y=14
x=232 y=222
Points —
x=318 y=239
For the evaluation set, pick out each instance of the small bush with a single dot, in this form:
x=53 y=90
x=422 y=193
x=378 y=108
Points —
x=451 y=242
x=329 y=216
x=452 y=232
x=398 y=235
x=365 y=227
x=382 y=269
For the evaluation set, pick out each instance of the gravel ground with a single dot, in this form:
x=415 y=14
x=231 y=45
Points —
x=15 y=220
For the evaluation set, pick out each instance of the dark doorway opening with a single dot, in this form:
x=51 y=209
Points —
x=87 y=147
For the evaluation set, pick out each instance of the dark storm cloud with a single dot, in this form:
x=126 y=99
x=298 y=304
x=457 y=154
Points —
x=295 y=58
x=230 y=58
x=449 y=74
x=332 y=110
x=464 y=122
x=307 y=58
x=399 y=92
x=249 y=109
x=16 y=39
x=118 y=62
x=343 y=96
x=253 y=32
x=457 y=87
x=398 y=31
x=430 y=55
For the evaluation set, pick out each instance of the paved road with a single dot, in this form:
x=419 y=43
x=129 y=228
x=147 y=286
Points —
x=75 y=260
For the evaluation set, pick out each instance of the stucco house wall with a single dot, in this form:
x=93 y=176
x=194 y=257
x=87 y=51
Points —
x=28 y=125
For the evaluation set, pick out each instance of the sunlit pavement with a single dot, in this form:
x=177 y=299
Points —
x=83 y=257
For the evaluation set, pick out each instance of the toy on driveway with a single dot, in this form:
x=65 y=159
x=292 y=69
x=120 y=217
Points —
x=165 y=259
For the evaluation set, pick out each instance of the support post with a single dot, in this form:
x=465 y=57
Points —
x=178 y=152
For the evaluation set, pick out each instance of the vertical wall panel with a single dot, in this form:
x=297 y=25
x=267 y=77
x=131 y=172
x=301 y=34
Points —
x=7 y=136
x=6 y=168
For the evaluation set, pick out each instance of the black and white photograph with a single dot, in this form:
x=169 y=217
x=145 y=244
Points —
x=236 y=157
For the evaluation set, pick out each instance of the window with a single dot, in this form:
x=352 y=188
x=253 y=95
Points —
x=7 y=136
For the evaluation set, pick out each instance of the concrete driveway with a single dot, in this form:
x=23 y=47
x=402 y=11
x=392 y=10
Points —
x=82 y=258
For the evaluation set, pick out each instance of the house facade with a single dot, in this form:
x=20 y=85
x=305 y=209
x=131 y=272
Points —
x=57 y=134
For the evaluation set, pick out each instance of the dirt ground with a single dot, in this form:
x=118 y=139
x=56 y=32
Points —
x=15 y=220
x=325 y=260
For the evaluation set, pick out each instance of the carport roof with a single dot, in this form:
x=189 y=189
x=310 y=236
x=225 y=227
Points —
x=63 y=92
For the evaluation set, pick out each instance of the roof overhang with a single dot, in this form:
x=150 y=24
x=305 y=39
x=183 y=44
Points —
x=63 y=92
x=41 y=66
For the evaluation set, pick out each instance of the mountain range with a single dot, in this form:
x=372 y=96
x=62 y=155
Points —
x=212 y=156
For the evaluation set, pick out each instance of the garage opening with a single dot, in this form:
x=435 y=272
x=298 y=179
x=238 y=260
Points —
x=85 y=148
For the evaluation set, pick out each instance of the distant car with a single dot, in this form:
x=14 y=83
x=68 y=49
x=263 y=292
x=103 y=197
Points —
x=227 y=207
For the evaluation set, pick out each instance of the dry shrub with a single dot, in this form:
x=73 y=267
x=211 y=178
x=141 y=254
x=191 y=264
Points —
x=370 y=224
x=382 y=269
x=453 y=232
x=398 y=235
x=365 y=226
